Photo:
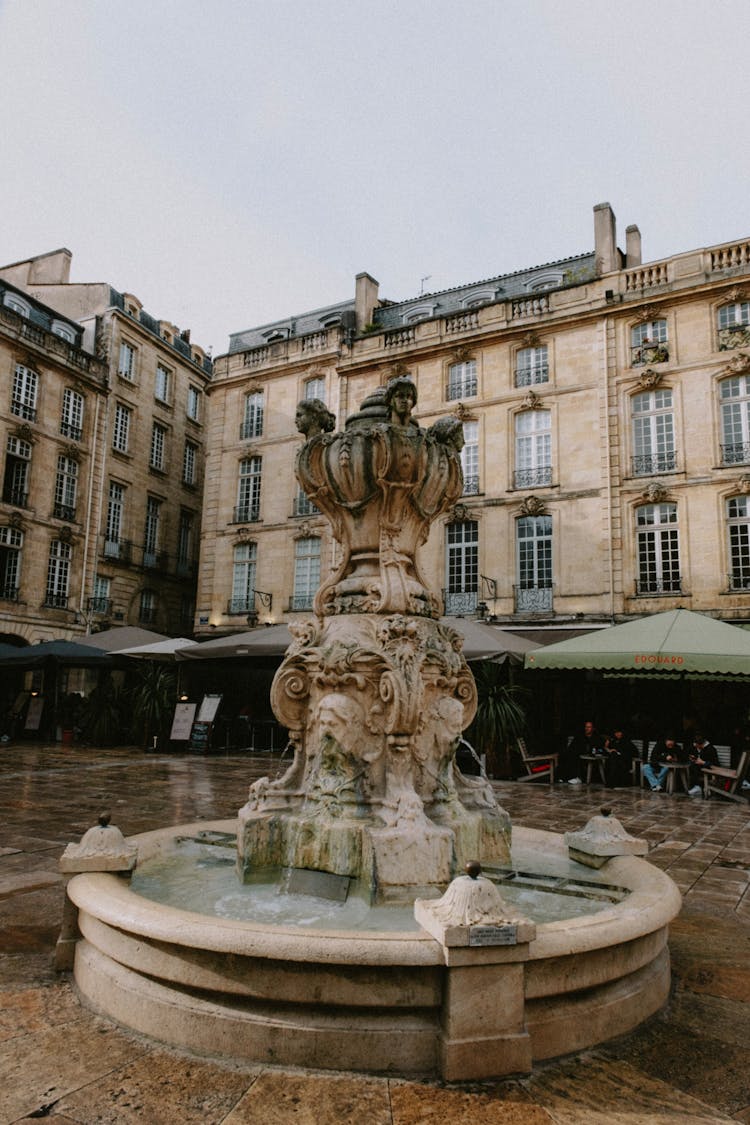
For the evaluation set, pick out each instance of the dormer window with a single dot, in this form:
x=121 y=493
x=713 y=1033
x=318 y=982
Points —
x=544 y=281
x=424 y=312
x=64 y=331
x=17 y=304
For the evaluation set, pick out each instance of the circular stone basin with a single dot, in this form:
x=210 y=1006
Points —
x=246 y=973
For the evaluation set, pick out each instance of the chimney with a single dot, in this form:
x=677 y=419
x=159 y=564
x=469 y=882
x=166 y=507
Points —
x=605 y=239
x=50 y=269
x=365 y=299
x=632 y=246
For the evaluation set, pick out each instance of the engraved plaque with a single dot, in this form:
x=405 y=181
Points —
x=493 y=935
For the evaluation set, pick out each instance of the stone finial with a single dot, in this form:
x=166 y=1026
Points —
x=472 y=912
x=102 y=848
x=602 y=838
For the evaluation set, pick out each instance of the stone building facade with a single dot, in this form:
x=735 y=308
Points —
x=140 y=437
x=606 y=413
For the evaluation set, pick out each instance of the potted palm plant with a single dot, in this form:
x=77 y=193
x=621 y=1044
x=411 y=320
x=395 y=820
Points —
x=500 y=719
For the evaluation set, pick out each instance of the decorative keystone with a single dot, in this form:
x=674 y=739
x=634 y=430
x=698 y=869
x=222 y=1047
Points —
x=602 y=838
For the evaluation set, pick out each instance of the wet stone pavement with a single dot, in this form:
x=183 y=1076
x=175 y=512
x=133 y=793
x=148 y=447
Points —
x=690 y=1063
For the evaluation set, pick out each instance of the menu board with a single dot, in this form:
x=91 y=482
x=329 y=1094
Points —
x=182 y=723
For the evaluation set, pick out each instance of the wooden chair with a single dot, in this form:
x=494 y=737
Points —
x=536 y=765
x=726 y=782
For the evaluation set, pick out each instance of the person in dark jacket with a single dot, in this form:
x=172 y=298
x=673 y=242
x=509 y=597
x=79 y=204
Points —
x=702 y=756
x=667 y=749
x=587 y=741
x=618 y=758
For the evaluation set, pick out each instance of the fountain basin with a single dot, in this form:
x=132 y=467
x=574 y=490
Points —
x=392 y=1001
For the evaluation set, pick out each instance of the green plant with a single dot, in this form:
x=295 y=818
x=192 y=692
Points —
x=103 y=717
x=501 y=716
x=152 y=698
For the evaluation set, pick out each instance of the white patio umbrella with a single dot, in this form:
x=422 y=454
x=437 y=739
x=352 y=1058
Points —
x=164 y=651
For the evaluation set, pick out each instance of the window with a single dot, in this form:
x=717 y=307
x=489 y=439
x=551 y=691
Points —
x=162 y=383
x=193 y=403
x=71 y=419
x=158 y=447
x=11 y=544
x=648 y=343
x=63 y=330
x=189 y=462
x=470 y=458
x=534 y=564
x=151 y=532
x=243 y=578
x=113 y=546
x=252 y=421
x=462 y=566
x=734 y=325
x=248 y=492
x=462 y=380
x=303 y=505
x=147 y=608
x=653 y=433
x=100 y=602
x=17 y=304
x=185 y=543
x=316 y=388
x=532 y=366
x=121 y=430
x=306 y=572
x=17 y=470
x=533 y=449
x=66 y=485
x=658 y=549
x=734 y=394
x=738 y=524
x=25 y=390
x=126 y=365
x=58 y=575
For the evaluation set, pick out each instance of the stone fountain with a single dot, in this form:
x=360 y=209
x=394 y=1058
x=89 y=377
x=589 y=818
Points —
x=441 y=975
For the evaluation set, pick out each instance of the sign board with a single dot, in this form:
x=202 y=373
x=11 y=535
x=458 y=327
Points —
x=34 y=713
x=209 y=708
x=504 y=934
x=200 y=736
x=182 y=723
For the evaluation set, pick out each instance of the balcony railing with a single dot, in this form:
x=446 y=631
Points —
x=396 y=337
x=55 y=601
x=459 y=603
x=246 y=513
x=739 y=583
x=734 y=336
x=64 y=512
x=654 y=587
x=471 y=485
x=644 y=354
x=23 y=410
x=75 y=433
x=529 y=306
x=738 y=453
x=533 y=599
x=101 y=606
x=533 y=478
x=9 y=593
x=646 y=463
x=155 y=560
x=16 y=496
x=118 y=550
x=467 y=388
x=530 y=376
x=251 y=429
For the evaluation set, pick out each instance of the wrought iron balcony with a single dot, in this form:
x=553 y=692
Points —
x=533 y=478
x=738 y=453
x=23 y=410
x=735 y=336
x=655 y=587
x=55 y=601
x=64 y=512
x=75 y=433
x=530 y=376
x=533 y=599
x=460 y=603
x=252 y=429
x=155 y=560
x=118 y=550
x=465 y=388
x=9 y=593
x=101 y=606
x=646 y=463
x=246 y=513
x=16 y=496
x=646 y=353
x=471 y=486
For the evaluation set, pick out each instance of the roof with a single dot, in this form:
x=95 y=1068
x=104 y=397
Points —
x=300 y=325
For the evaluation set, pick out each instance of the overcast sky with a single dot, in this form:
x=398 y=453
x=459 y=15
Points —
x=233 y=162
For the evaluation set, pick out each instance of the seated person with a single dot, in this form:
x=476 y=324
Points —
x=667 y=749
x=619 y=755
x=587 y=741
x=702 y=756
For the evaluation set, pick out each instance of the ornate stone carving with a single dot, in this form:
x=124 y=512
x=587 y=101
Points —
x=736 y=293
x=15 y=519
x=649 y=378
x=71 y=451
x=374 y=690
x=531 y=400
x=532 y=506
x=739 y=364
x=65 y=535
x=655 y=493
x=24 y=432
x=530 y=339
x=743 y=483
x=462 y=354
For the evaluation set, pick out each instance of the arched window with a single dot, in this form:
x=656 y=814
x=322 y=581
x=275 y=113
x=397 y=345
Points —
x=648 y=343
x=248 y=491
x=71 y=417
x=738 y=530
x=533 y=564
x=734 y=396
x=58 y=575
x=24 y=394
x=658 y=544
x=532 y=366
x=462 y=380
x=66 y=488
x=252 y=419
x=306 y=572
x=653 y=433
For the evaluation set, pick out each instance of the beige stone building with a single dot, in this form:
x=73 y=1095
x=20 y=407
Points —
x=123 y=399
x=606 y=411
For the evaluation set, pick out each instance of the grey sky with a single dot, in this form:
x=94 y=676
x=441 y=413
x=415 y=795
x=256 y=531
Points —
x=235 y=161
